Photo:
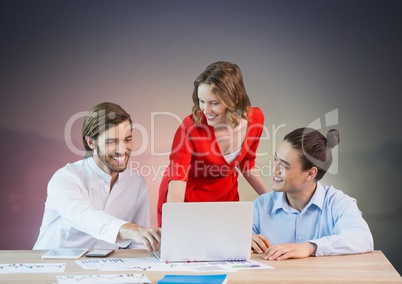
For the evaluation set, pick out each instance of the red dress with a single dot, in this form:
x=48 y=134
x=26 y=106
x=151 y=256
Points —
x=196 y=159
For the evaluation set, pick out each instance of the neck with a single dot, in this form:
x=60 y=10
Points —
x=298 y=200
x=115 y=177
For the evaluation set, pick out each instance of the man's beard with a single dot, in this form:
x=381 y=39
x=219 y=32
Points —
x=109 y=162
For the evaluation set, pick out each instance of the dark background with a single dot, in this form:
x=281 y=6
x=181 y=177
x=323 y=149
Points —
x=304 y=63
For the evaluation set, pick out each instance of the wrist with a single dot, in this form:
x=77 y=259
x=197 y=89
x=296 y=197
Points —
x=312 y=248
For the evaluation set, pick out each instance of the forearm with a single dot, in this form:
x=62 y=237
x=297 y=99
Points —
x=349 y=242
x=82 y=216
x=127 y=231
x=149 y=237
x=254 y=179
x=176 y=191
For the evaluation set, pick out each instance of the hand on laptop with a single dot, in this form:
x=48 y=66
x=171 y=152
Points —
x=259 y=243
x=149 y=237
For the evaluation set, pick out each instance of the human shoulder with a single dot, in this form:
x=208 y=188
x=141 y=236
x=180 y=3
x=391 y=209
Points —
x=266 y=199
x=72 y=169
x=336 y=198
x=256 y=115
x=188 y=121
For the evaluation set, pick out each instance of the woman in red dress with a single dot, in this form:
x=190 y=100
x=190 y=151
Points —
x=221 y=134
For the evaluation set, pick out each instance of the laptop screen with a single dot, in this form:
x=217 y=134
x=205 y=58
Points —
x=206 y=231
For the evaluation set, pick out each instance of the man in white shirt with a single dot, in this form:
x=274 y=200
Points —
x=97 y=202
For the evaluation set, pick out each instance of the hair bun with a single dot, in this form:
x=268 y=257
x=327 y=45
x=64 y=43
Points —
x=333 y=138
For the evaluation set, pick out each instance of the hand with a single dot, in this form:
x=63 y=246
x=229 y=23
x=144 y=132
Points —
x=260 y=243
x=149 y=237
x=285 y=251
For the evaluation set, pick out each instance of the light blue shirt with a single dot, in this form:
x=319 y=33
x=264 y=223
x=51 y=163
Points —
x=331 y=220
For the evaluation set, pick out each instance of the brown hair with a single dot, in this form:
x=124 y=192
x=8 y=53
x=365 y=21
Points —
x=315 y=148
x=99 y=119
x=226 y=81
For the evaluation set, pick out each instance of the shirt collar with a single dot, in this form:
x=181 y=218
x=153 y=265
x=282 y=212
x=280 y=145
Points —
x=280 y=203
x=98 y=170
x=317 y=199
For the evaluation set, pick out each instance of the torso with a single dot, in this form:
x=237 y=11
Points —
x=230 y=139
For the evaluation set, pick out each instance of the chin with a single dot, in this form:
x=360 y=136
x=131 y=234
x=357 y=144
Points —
x=277 y=188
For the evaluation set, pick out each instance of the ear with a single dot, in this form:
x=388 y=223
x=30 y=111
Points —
x=90 y=142
x=312 y=173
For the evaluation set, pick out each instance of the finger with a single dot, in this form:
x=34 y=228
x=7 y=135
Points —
x=147 y=244
x=281 y=253
x=284 y=256
x=272 y=253
x=256 y=247
x=260 y=243
x=153 y=242
x=266 y=241
x=157 y=234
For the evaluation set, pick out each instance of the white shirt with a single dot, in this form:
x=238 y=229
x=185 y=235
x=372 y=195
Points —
x=231 y=157
x=82 y=212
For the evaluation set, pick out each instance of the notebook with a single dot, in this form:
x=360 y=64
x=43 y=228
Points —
x=206 y=231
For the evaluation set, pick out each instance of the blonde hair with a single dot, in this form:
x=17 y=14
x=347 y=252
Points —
x=226 y=81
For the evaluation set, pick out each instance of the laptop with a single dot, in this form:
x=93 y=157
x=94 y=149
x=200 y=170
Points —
x=206 y=231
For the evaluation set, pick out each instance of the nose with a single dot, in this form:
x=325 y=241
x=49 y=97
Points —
x=121 y=148
x=207 y=109
x=276 y=168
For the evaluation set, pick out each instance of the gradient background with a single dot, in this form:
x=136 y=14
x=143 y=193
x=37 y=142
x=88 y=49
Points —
x=301 y=61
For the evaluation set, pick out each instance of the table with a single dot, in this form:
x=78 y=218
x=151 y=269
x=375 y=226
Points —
x=369 y=267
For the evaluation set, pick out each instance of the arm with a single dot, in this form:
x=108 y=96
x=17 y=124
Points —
x=82 y=209
x=247 y=165
x=259 y=243
x=350 y=233
x=149 y=237
x=254 y=179
x=176 y=191
x=285 y=251
x=343 y=231
x=180 y=159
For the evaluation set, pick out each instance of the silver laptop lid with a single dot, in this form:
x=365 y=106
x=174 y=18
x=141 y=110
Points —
x=206 y=231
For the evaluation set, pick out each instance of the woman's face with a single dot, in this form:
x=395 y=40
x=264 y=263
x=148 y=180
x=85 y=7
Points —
x=211 y=106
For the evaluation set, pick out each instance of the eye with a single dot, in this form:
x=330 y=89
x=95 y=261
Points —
x=200 y=101
x=215 y=103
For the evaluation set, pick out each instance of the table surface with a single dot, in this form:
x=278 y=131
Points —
x=369 y=267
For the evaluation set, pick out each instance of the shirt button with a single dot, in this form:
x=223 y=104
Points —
x=300 y=216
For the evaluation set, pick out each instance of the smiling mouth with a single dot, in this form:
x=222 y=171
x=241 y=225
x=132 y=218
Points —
x=210 y=116
x=277 y=179
x=119 y=159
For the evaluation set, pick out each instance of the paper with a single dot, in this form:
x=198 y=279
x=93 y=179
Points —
x=102 y=279
x=152 y=264
x=32 y=268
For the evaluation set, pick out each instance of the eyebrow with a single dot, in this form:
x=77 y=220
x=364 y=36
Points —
x=283 y=161
x=213 y=101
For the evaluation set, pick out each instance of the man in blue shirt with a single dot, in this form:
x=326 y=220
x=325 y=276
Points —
x=303 y=217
